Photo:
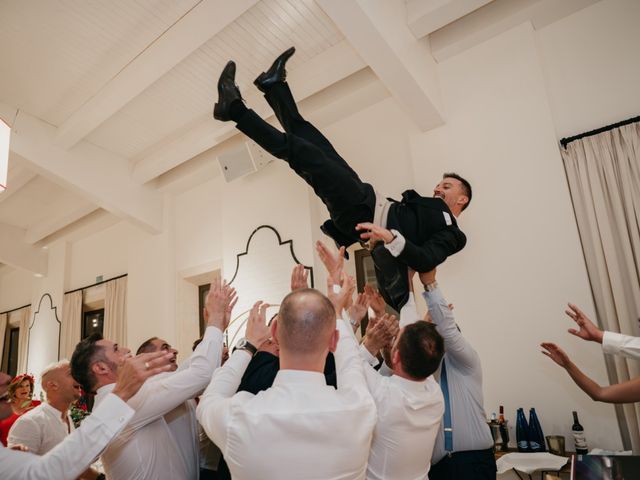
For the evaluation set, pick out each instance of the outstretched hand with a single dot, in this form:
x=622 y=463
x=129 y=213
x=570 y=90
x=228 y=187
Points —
x=299 y=276
x=373 y=233
x=376 y=302
x=257 y=329
x=334 y=263
x=342 y=298
x=556 y=354
x=133 y=371
x=358 y=310
x=219 y=303
x=588 y=331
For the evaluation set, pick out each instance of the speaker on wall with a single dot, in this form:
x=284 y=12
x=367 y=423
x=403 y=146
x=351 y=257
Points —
x=243 y=160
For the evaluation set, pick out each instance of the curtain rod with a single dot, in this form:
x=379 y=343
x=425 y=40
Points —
x=568 y=140
x=16 y=309
x=96 y=284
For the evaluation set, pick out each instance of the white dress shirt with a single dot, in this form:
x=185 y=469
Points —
x=619 y=344
x=300 y=428
x=40 y=429
x=74 y=455
x=409 y=415
x=147 y=449
x=464 y=378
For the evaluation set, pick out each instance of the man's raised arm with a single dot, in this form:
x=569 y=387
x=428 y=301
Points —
x=77 y=451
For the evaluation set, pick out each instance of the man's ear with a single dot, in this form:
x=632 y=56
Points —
x=100 y=368
x=333 y=341
x=462 y=200
x=274 y=331
x=395 y=359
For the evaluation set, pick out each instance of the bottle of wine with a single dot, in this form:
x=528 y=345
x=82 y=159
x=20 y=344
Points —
x=536 y=437
x=522 y=432
x=503 y=429
x=578 y=436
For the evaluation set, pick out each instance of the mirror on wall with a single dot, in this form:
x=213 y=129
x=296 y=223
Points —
x=44 y=336
x=263 y=272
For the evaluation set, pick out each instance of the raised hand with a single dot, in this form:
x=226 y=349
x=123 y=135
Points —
x=556 y=354
x=373 y=233
x=358 y=309
x=376 y=302
x=380 y=334
x=299 y=276
x=219 y=302
x=334 y=263
x=133 y=371
x=257 y=329
x=427 y=278
x=588 y=331
x=341 y=299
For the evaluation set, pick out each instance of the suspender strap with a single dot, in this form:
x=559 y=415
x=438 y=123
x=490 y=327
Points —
x=448 y=431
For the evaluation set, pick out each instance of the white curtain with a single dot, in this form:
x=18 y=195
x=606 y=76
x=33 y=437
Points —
x=71 y=327
x=24 y=319
x=604 y=179
x=115 y=311
x=3 y=331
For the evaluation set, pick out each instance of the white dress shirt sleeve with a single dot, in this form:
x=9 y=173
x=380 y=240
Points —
x=74 y=455
x=455 y=345
x=351 y=373
x=25 y=431
x=159 y=397
x=214 y=410
x=409 y=312
x=367 y=356
x=619 y=344
x=396 y=245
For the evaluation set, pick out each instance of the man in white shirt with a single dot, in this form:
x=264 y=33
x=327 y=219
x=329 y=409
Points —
x=146 y=449
x=612 y=343
x=182 y=419
x=78 y=450
x=45 y=426
x=409 y=402
x=300 y=427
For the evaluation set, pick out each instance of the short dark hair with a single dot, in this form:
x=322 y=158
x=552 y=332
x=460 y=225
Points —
x=84 y=355
x=147 y=346
x=421 y=348
x=466 y=186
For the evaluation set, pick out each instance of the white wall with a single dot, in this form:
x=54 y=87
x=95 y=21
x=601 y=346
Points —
x=16 y=287
x=591 y=67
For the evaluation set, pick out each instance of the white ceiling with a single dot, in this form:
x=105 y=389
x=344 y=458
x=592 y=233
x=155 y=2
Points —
x=110 y=101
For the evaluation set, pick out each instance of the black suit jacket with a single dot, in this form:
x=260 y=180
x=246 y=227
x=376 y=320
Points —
x=431 y=233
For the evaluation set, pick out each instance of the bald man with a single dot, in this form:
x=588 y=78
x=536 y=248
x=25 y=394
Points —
x=45 y=426
x=300 y=427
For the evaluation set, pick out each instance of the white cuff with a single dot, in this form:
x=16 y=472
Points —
x=613 y=342
x=397 y=244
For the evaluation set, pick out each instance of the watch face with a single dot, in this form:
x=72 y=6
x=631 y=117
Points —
x=242 y=343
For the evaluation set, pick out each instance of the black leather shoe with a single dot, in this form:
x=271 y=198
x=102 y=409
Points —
x=228 y=92
x=276 y=72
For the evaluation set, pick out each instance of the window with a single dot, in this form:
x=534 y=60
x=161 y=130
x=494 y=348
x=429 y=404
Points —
x=203 y=291
x=11 y=351
x=92 y=322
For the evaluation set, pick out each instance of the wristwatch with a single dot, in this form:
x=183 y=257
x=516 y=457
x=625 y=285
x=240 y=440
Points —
x=244 y=344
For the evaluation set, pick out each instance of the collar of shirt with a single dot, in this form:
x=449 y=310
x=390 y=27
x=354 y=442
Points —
x=51 y=410
x=302 y=377
x=410 y=385
x=103 y=391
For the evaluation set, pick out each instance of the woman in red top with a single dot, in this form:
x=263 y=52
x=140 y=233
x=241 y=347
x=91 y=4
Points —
x=20 y=392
